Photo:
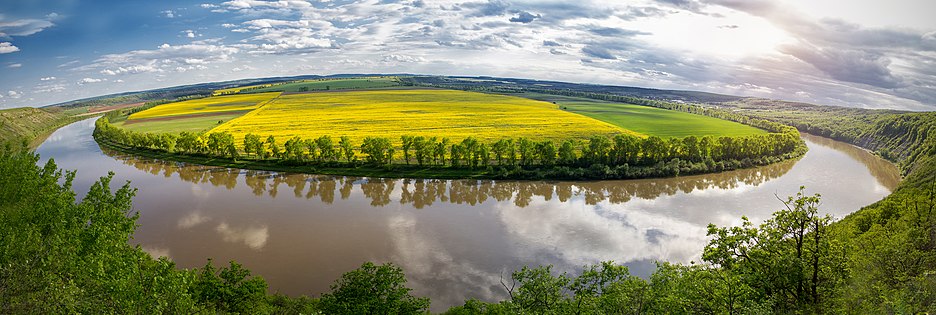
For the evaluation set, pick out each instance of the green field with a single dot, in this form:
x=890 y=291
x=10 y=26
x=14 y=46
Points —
x=179 y=124
x=647 y=120
x=319 y=85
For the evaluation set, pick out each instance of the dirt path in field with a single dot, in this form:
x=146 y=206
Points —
x=103 y=109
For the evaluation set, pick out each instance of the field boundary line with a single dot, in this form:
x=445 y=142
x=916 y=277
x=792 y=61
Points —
x=250 y=113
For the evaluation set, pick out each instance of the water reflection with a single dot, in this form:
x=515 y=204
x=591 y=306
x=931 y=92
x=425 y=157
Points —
x=453 y=238
x=422 y=193
x=886 y=173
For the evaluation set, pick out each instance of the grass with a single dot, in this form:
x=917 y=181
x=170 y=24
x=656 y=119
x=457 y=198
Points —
x=648 y=120
x=191 y=123
x=318 y=85
x=30 y=124
x=217 y=104
x=196 y=115
x=430 y=113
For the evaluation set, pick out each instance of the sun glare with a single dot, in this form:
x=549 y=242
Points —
x=732 y=35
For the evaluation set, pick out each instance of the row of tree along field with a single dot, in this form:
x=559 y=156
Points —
x=693 y=154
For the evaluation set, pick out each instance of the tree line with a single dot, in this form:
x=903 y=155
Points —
x=573 y=158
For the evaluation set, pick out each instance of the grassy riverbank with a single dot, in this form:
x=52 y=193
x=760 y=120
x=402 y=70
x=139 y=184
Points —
x=29 y=125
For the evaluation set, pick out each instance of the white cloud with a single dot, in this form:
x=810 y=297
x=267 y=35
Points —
x=22 y=27
x=14 y=94
x=14 y=65
x=208 y=6
x=190 y=33
x=49 y=88
x=46 y=78
x=90 y=80
x=165 y=58
x=170 y=14
x=402 y=58
x=7 y=47
x=150 y=67
x=253 y=237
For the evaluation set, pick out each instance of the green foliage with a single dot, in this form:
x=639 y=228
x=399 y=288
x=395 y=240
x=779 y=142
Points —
x=62 y=256
x=230 y=289
x=379 y=151
x=372 y=289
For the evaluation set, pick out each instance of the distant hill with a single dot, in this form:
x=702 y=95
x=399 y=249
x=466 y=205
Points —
x=28 y=123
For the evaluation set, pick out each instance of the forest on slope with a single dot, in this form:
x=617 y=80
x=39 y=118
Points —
x=27 y=123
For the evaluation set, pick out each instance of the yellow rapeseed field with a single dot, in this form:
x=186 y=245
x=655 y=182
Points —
x=215 y=104
x=430 y=113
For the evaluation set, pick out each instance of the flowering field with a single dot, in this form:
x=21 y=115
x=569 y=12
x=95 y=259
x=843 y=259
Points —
x=430 y=113
x=201 y=106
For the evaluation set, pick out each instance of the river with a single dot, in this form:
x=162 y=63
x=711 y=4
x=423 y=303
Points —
x=455 y=239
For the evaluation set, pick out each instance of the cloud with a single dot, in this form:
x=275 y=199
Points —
x=290 y=37
x=46 y=78
x=402 y=58
x=90 y=80
x=14 y=65
x=524 y=17
x=48 y=88
x=170 y=14
x=191 y=220
x=22 y=27
x=7 y=47
x=14 y=94
x=847 y=65
x=489 y=8
x=598 y=52
x=165 y=58
x=615 y=32
x=189 y=33
x=253 y=237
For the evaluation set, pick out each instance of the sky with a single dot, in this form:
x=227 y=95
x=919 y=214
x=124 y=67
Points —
x=860 y=53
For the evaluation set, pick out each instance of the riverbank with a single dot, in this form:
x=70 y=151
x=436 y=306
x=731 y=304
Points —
x=360 y=169
x=29 y=126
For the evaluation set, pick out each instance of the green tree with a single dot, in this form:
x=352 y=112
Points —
x=230 y=289
x=274 y=148
x=567 y=152
x=546 y=153
x=347 y=148
x=379 y=151
x=527 y=150
x=326 y=148
x=373 y=289
x=407 y=145
x=791 y=258
x=252 y=144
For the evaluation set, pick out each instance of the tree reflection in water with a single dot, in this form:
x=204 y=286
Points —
x=421 y=193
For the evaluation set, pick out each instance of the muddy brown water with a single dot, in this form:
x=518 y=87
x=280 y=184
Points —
x=453 y=238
